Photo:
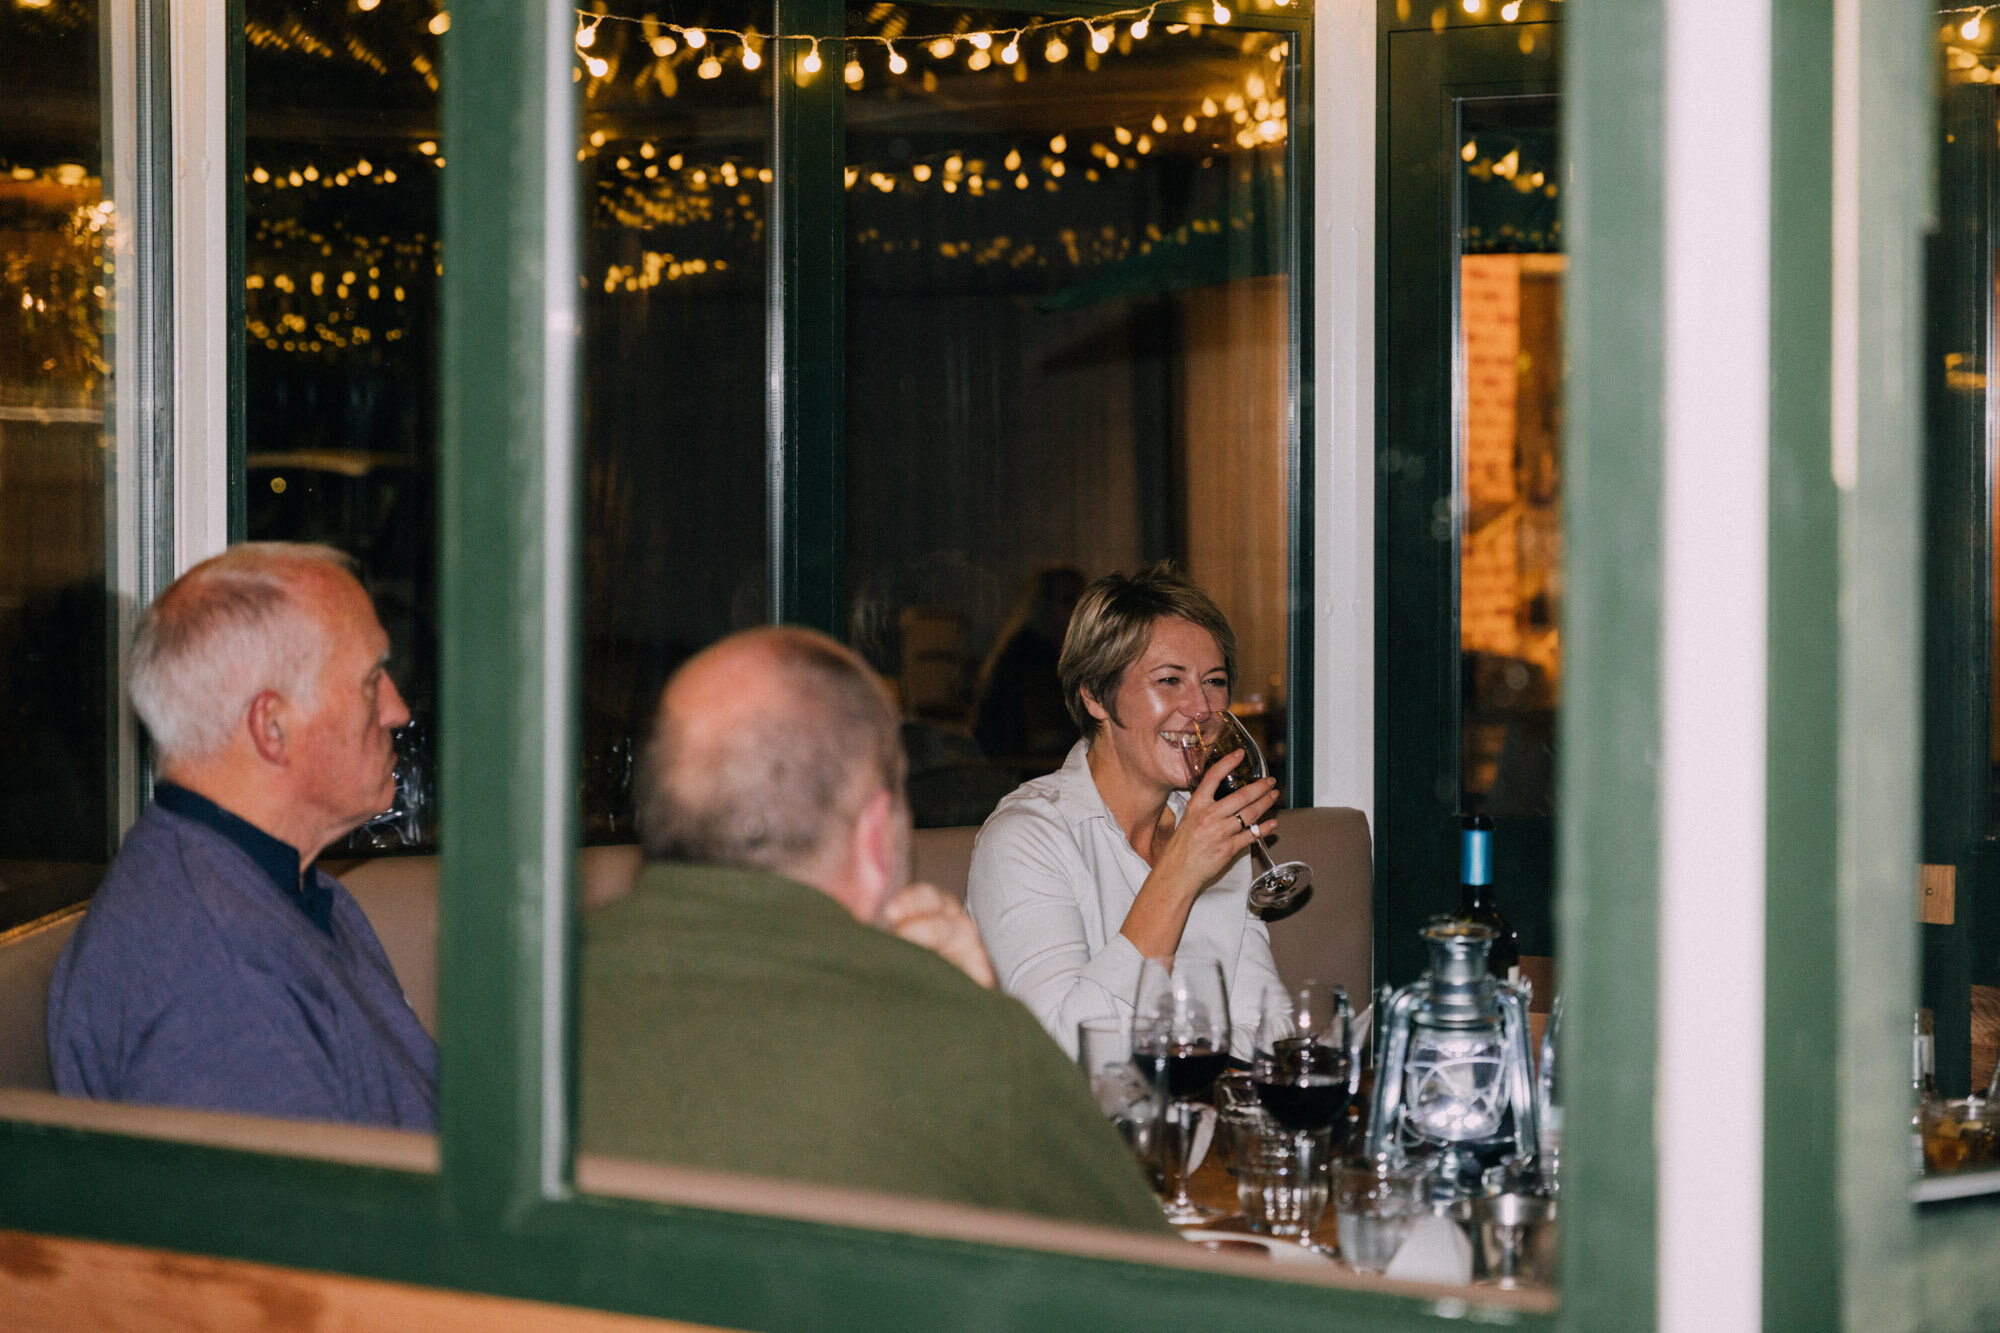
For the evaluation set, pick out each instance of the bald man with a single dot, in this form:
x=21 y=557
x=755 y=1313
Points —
x=218 y=967
x=773 y=998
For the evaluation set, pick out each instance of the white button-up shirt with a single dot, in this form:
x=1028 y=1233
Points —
x=1051 y=881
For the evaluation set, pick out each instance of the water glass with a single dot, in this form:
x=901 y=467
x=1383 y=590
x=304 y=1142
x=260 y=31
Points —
x=1281 y=1181
x=1374 y=1204
x=1104 y=1051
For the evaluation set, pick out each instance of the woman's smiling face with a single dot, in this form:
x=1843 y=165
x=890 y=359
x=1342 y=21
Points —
x=1171 y=689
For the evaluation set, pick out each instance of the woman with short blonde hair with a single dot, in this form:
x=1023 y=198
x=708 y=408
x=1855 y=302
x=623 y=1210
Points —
x=1123 y=854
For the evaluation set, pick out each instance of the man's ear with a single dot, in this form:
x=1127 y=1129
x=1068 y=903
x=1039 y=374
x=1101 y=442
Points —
x=266 y=723
x=875 y=847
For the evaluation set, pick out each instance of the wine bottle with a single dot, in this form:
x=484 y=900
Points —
x=1923 y=1084
x=1475 y=896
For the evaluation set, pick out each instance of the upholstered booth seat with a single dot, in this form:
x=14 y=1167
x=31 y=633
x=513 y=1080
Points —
x=1329 y=937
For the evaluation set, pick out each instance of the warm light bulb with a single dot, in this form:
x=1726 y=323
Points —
x=1971 y=29
x=982 y=40
x=1120 y=133
x=1140 y=27
x=1013 y=159
x=811 y=63
x=1059 y=144
x=709 y=68
x=751 y=59
x=1055 y=50
x=978 y=60
x=921 y=171
x=440 y=24
x=1472 y=6
x=1159 y=123
x=1187 y=124
x=1511 y=10
x=896 y=62
x=942 y=48
x=852 y=74
x=1221 y=12
x=664 y=46
x=586 y=35
x=598 y=68
x=1011 y=52
x=696 y=38
x=1100 y=39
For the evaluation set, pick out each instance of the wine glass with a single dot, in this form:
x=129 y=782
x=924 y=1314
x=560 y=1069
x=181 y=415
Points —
x=1280 y=885
x=1180 y=1043
x=1304 y=1071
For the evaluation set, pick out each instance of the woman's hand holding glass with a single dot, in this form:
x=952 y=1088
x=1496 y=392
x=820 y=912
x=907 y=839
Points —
x=1214 y=829
x=1223 y=757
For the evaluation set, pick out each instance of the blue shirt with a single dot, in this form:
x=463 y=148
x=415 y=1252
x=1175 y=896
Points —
x=279 y=860
x=190 y=982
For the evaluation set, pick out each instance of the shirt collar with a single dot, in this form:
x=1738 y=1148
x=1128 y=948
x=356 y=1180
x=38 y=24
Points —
x=278 y=860
x=1078 y=799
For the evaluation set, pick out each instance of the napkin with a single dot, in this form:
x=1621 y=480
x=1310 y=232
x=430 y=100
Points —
x=1436 y=1250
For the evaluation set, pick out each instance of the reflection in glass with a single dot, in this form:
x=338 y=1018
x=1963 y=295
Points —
x=56 y=649
x=1067 y=352
x=343 y=156
x=677 y=178
x=341 y=277
x=1510 y=378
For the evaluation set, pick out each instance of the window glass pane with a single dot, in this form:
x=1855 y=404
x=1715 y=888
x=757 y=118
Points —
x=677 y=178
x=1510 y=552
x=342 y=269
x=1067 y=350
x=57 y=719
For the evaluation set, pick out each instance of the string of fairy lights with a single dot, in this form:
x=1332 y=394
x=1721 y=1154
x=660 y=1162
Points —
x=983 y=46
x=652 y=187
x=1960 y=60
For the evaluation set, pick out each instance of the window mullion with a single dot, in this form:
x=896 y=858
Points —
x=807 y=406
x=508 y=526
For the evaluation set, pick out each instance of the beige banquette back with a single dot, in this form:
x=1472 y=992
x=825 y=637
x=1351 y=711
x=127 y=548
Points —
x=1329 y=938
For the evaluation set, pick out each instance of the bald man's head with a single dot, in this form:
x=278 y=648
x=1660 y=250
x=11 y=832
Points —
x=766 y=748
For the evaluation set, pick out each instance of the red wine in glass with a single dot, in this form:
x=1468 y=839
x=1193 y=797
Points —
x=1185 y=1071
x=1304 y=1084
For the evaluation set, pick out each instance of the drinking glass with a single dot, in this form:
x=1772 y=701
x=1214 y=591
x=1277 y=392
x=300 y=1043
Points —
x=1104 y=1051
x=1280 y=885
x=1180 y=1043
x=1305 y=1071
x=1281 y=1182
x=1375 y=1203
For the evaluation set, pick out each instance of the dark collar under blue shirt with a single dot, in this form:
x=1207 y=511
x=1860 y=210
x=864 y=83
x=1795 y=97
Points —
x=279 y=860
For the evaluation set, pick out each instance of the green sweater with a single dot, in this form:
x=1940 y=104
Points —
x=738 y=1020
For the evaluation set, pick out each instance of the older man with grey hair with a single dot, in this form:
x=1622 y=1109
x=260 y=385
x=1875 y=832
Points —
x=774 y=998
x=217 y=967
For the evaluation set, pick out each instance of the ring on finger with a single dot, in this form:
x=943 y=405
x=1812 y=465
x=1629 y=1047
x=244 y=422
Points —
x=1240 y=824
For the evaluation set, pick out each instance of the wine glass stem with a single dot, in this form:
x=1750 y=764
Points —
x=1180 y=1147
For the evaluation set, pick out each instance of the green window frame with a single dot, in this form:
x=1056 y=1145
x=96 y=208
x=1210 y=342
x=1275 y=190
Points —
x=501 y=1214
